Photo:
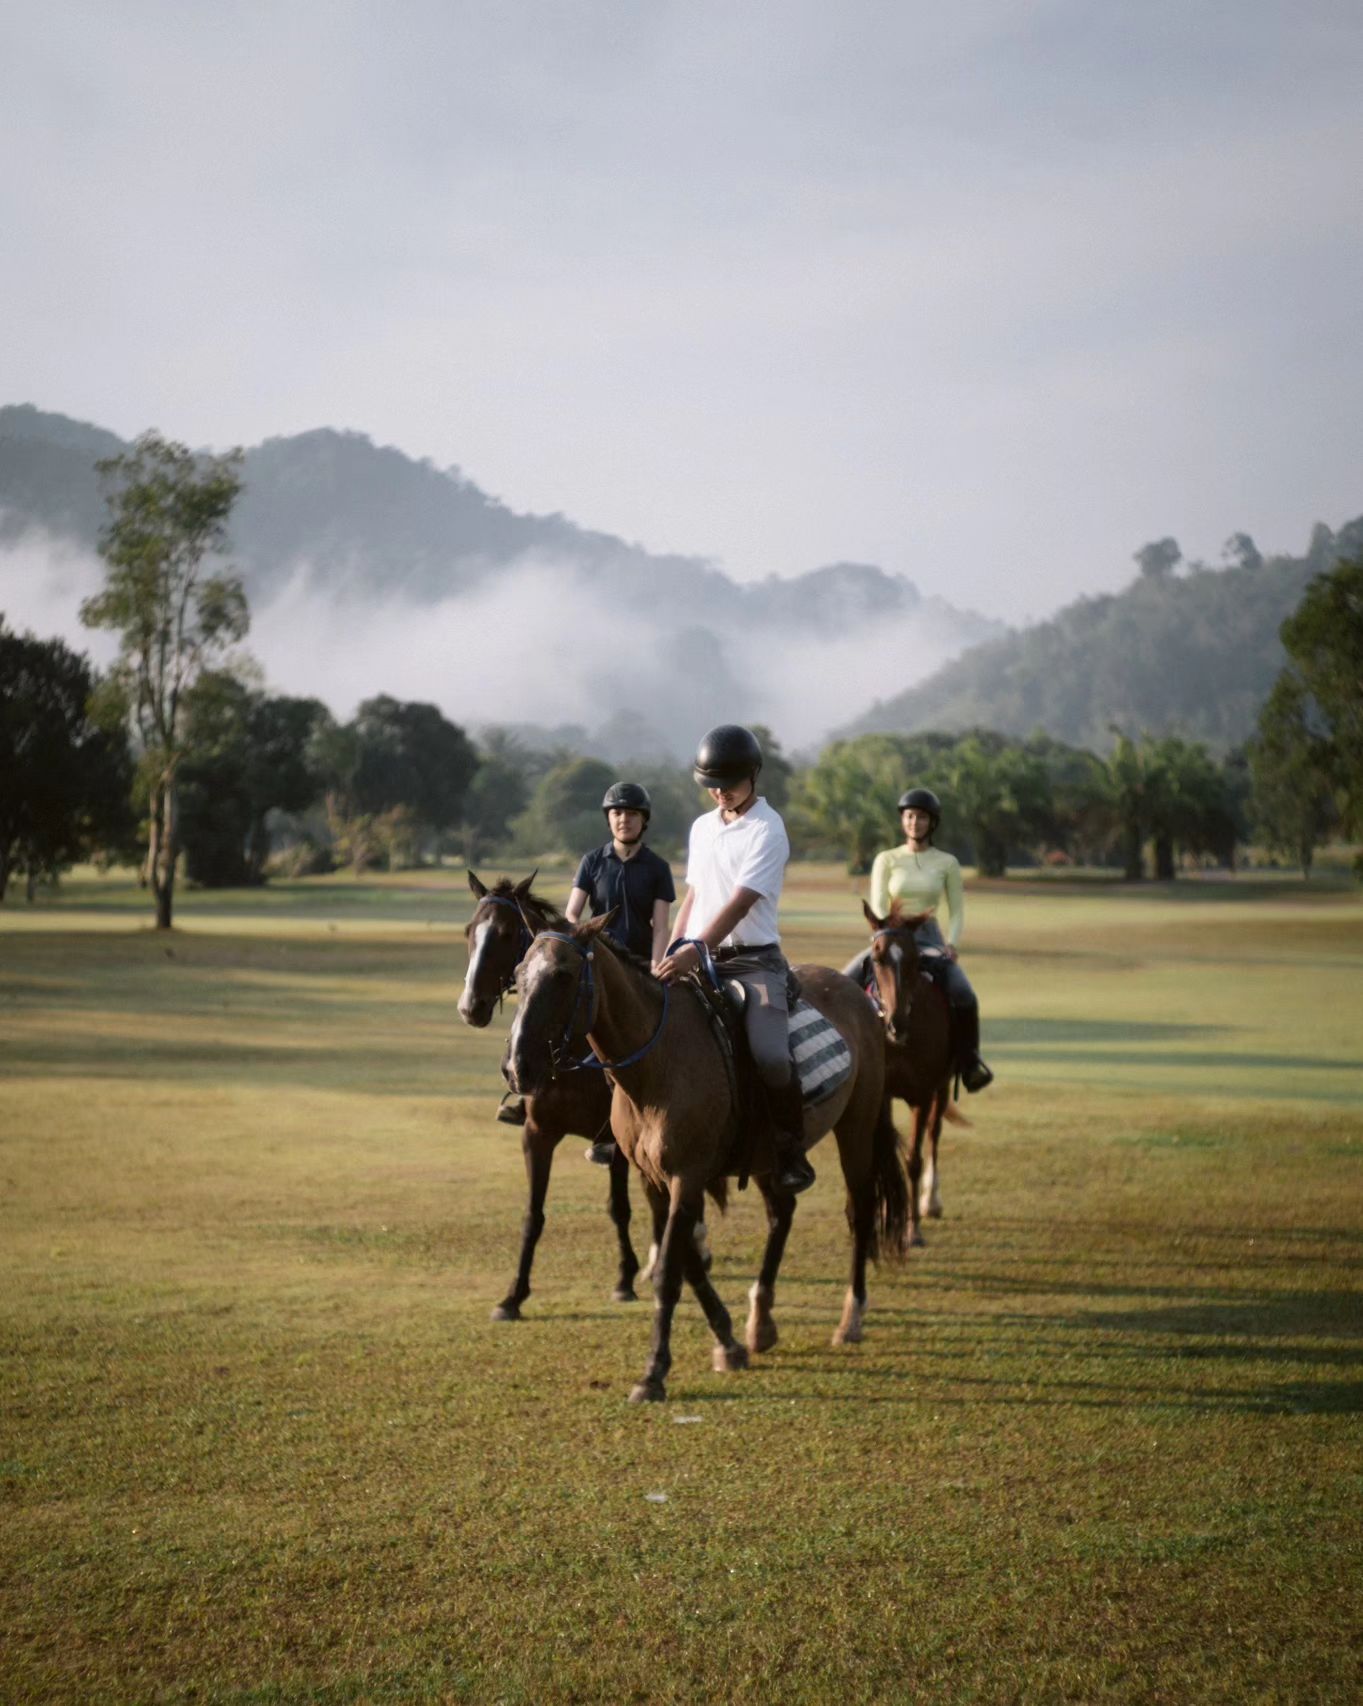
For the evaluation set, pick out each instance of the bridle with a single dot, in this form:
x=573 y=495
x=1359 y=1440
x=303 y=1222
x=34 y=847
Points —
x=522 y=944
x=561 y=1051
x=906 y=998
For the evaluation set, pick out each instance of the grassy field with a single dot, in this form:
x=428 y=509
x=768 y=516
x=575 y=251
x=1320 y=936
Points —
x=260 y=1442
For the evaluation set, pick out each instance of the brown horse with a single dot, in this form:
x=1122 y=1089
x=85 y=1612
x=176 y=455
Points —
x=578 y=1105
x=919 y=1057
x=672 y=1114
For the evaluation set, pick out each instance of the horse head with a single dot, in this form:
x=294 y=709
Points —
x=557 y=1000
x=895 y=967
x=497 y=937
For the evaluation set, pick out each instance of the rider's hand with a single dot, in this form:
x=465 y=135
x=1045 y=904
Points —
x=669 y=969
x=951 y=953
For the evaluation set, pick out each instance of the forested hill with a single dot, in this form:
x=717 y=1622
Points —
x=362 y=520
x=1191 y=652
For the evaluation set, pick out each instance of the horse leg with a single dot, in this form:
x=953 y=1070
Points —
x=537 y=1145
x=761 y=1332
x=920 y=1120
x=618 y=1204
x=702 y=1242
x=676 y=1222
x=861 y=1218
x=728 y=1353
x=932 y=1197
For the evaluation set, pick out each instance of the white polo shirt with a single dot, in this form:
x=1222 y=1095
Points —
x=751 y=853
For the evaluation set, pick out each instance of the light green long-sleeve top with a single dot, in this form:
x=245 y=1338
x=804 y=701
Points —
x=918 y=881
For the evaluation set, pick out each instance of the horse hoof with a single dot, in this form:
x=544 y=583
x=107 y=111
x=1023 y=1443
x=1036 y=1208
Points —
x=648 y=1392
x=848 y=1335
x=729 y=1358
x=624 y=1294
x=934 y=1211
x=762 y=1338
x=916 y=1240
x=507 y=1311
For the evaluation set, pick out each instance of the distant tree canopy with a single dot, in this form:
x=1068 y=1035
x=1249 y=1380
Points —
x=249 y=754
x=564 y=814
x=65 y=776
x=174 y=618
x=394 y=779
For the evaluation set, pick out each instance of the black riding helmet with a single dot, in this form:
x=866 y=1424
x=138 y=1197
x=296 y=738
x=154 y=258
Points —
x=728 y=754
x=628 y=797
x=922 y=800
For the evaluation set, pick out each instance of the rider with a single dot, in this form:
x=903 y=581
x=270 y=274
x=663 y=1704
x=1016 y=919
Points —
x=918 y=876
x=635 y=883
x=735 y=869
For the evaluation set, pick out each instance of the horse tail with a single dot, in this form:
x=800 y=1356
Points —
x=893 y=1215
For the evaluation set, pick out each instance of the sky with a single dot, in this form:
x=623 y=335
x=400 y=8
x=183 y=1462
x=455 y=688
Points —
x=989 y=294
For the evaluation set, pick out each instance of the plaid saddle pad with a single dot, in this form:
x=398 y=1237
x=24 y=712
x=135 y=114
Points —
x=822 y=1058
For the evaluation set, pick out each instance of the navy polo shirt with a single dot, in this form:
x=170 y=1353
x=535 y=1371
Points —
x=632 y=885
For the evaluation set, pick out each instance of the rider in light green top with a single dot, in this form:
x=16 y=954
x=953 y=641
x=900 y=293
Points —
x=918 y=878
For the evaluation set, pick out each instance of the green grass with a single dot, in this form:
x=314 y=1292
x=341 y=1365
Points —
x=259 y=1441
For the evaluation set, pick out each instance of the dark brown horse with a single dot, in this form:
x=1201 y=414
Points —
x=578 y=1105
x=919 y=1057
x=672 y=1114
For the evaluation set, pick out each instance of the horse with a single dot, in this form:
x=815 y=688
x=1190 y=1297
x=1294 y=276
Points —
x=580 y=1105
x=673 y=1113
x=919 y=1057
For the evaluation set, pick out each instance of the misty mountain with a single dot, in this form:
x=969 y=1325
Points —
x=409 y=579
x=1193 y=653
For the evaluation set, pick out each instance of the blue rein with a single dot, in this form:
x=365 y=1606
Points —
x=591 y=1061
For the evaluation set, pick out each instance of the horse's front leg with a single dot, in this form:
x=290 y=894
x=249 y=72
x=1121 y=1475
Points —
x=930 y=1202
x=618 y=1204
x=673 y=1228
x=761 y=1332
x=537 y=1145
x=920 y=1112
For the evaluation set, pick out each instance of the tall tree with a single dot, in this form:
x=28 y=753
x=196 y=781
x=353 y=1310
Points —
x=174 y=613
x=65 y=775
x=1294 y=802
x=1159 y=559
x=1001 y=797
x=1324 y=641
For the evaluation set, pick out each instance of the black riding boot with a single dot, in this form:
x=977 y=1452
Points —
x=785 y=1110
x=975 y=1075
x=512 y=1110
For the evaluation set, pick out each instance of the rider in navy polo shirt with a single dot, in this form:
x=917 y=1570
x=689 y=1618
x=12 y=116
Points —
x=626 y=877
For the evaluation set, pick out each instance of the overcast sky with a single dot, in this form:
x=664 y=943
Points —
x=988 y=293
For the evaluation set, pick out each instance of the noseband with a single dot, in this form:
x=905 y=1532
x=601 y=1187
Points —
x=560 y=1052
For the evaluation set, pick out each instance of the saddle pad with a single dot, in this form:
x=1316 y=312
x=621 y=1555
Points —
x=821 y=1056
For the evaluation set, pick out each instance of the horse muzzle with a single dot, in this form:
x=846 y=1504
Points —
x=475 y=1011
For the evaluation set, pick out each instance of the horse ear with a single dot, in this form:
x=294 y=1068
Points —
x=522 y=890
x=871 y=918
x=595 y=926
x=479 y=889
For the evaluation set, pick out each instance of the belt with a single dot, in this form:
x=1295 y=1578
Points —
x=744 y=948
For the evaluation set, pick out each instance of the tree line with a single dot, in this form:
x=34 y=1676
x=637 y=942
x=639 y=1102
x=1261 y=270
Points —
x=179 y=760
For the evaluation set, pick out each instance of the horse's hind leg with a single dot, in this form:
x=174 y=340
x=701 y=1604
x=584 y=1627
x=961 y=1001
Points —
x=861 y=1217
x=618 y=1203
x=537 y=1145
x=761 y=1332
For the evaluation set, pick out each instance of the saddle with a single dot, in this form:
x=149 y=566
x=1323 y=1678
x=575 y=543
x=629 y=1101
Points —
x=819 y=1057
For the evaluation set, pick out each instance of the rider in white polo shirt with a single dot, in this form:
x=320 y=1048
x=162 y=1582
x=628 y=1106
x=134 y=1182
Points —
x=734 y=872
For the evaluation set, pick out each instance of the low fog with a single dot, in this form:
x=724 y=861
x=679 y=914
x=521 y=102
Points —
x=531 y=648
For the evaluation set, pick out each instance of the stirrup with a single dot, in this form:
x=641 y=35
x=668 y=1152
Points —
x=511 y=1110
x=975 y=1075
